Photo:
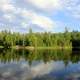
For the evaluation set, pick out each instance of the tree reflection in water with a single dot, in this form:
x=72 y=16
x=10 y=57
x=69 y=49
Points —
x=39 y=64
x=9 y=55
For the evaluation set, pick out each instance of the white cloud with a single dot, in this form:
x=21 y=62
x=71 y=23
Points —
x=29 y=17
x=47 y=5
x=72 y=7
x=26 y=15
x=6 y=6
x=4 y=1
x=40 y=20
x=43 y=21
x=9 y=17
x=24 y=25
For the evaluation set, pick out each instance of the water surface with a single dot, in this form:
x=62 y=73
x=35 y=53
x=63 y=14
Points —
x=39 y=65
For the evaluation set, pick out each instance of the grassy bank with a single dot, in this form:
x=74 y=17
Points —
x=1 y=47
x=32 y=47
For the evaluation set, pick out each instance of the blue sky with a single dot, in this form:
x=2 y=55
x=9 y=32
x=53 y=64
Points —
x=40 y=15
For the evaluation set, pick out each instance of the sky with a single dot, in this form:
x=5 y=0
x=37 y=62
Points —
x=39 y=15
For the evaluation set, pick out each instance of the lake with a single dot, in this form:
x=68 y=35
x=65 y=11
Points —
x=39 y=64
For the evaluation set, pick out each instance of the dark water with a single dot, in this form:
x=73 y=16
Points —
x=39 y=65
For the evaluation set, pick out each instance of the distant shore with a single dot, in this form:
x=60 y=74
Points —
x=32 y=47
x=37 y=47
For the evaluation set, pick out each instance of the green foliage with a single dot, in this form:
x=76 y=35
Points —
x=46 y=39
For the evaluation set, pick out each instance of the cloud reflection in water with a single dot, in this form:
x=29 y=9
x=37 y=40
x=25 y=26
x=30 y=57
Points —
x=22 y=71
x=53 y=70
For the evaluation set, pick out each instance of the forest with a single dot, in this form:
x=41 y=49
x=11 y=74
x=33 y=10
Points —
x=38 y=39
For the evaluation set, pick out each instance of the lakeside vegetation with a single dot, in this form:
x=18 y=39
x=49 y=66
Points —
x=38 y=40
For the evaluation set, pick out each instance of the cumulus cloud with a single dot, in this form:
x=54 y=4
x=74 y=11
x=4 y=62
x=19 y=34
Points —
x=43 y=22
x=39 y=20
x=28 y=15
x=6 y=6
x=8 y=17
x=72 y=7
x=47 y=5
x=24 y=25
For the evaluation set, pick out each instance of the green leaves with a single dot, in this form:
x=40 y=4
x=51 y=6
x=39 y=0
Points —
x=46 y=39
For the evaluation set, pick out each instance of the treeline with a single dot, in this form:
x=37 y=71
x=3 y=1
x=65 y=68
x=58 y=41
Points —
x=46 y=39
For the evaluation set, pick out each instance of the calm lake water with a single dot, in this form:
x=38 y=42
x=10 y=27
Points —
x=39 y=65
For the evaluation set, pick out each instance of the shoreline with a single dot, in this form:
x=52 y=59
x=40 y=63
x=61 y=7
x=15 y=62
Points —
x=33 y=48
x=39 y=47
